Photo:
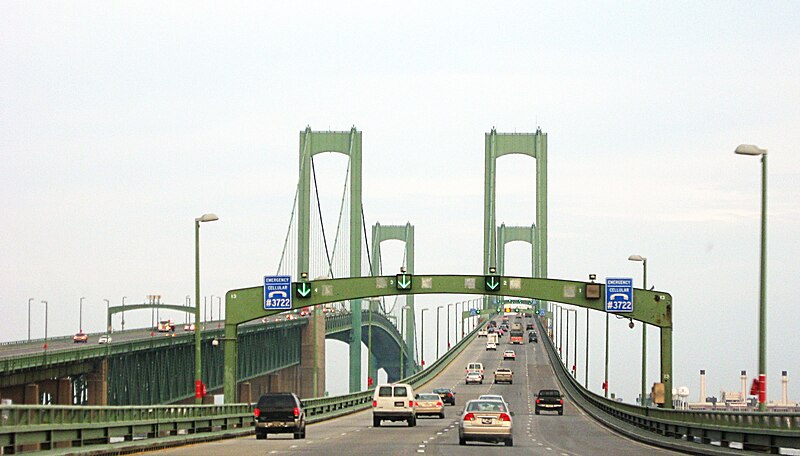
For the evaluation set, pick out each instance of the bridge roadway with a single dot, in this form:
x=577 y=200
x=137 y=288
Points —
x=574 y=433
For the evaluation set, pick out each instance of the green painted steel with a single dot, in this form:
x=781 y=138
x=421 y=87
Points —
x=652 y=307
x=131 y=307
x=404 y=233
x=533 y=145
x=506 y=234
x=347 y=143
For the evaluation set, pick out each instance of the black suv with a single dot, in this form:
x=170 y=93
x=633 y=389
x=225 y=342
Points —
x=447 y=394
x=279 y=413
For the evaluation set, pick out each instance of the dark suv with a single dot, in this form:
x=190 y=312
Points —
x=279 y=413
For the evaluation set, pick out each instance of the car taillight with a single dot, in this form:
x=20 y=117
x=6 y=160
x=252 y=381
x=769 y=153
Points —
x=256 y=412
x=504 y=417
x=469 y=417
x=439 y=404
x=537 y=400
x=561 y=401
x=411 y=403
x=374 y=403
x=296 y=412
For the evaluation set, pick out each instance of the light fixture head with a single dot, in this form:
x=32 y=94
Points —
x=749 y=149
x=637 y=258
x=210 y=217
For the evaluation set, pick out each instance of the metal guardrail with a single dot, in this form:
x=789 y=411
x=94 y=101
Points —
x=43 y=427
x=693 y=431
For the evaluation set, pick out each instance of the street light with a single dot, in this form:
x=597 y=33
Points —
x=219 y=309
x=448 y=324
x=108 y=328
x=437 y=330
x=198 y=379
x=422 y=337
x=644 y=330
x=749 y=149
x=80 y=316
x=45 y=325
x=123 y=313
x=211 y=307
x=29 y=318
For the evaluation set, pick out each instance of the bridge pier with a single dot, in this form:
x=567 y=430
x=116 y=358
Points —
x=98 y=384
x=312 y=352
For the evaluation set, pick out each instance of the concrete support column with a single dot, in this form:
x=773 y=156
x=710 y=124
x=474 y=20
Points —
x=245 y=393
x=32 y=394
x=63 y=392
x=98 y=384
x=312 y=341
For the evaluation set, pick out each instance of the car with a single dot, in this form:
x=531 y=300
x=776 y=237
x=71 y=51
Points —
x=291 y=316
x=503 y=374
x=473 y=377
x=104 y=339
x=529 y=326
x=486 y=421
x=188 y=327
x=500 y=331
x=430 y=404
x=447 y=395
x=279 y=413
x=532 y=337
x=394 y=402
x=491 y=346
x=483 y=332
x=80 y=337
x=475 y=366
x=509 y=354
x=549 y=399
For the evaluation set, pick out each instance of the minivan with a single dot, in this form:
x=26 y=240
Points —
x=394 y=402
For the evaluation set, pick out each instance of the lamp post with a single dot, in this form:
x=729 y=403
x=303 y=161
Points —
x=219 y=309
x=437 y=330
x=749 y=149
x=402 y=338
x=644 y=331
x=80 y=316
x=448 y=325
x=198 y=379
x=29 y=318
x=108 y=328
x=605 y=370
x=422 y=337
x=586 y=360
x=211 y=307
x=123 y=313
x=186 y=314
x=45 y=325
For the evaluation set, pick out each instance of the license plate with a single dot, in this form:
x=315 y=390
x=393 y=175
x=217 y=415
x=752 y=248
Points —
x=399 y=404
x=486 y=420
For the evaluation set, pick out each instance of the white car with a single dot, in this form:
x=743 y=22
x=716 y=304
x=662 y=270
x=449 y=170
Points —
x=491 y=346
x=473 y=377
x=483 y=333
x=104 y=339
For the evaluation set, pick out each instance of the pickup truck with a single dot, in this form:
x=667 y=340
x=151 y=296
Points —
x=279 y=413
x=549 y=399
x=504 y=375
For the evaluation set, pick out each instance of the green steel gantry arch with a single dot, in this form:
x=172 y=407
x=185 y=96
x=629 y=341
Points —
x=347 y=143
x=651 y=307
x=506 y=234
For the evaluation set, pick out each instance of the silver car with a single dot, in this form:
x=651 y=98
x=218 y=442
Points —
x=486 y=421
x=473 y=377
x=430 y=404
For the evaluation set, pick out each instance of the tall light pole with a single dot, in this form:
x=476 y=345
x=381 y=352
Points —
x=219 y=308
x=437 y=330
x=29 y=318
x=644 y=331
x=45 y=325
x=605 y=370
x=448 y=325
x=123 y=312
x=402 y=339
x=422 y=337
x=108 y=328
x=80 y=316
x=198 y=379
x=188 y=304
x=212 y=307
x=749 y=149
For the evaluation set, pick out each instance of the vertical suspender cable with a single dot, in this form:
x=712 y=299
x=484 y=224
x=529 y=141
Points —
x=319 y=208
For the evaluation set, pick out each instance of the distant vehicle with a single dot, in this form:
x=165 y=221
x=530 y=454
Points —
x=104 y=339
x=394 y=402
x=429 y=404
x=493 y=338
x=291 y=316
x=475 y=367
x=549 y=399
x=166 y=326
x=486 y=421
x=306 y=311
x=504 y=375
x=81 y=338
x=509 y=354
x=491 y=346
x=532 y=337
x=188 y=327
x=280 y=413
x=529 y=326
x=483 y=332
x=447 y=395
x=473 y=377
x=516 y=334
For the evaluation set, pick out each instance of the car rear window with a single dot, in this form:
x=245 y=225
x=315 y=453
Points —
x=481 y=406
x=441 y=390
x=400 y=391
x=429 y=397
x=385 y=391
x=276 y=401
x=549 y=393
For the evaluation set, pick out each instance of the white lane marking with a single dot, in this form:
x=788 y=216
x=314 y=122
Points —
x=549 y=449
x=438 y=433
x=293 y=446
x=343 y=433
x=420 y=451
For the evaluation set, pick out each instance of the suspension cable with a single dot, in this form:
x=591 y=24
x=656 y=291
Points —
x=319 y=208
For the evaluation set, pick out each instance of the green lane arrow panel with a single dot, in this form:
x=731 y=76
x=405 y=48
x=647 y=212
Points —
x=491 y=283
x=302 y=290
x=403 y=281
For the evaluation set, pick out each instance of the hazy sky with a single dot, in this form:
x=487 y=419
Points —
x=120 y=122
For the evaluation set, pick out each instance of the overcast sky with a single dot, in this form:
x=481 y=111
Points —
x=120 y=122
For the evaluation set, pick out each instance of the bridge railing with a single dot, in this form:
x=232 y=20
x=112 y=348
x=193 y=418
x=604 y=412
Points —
x=693 y=431
x=128 y=427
